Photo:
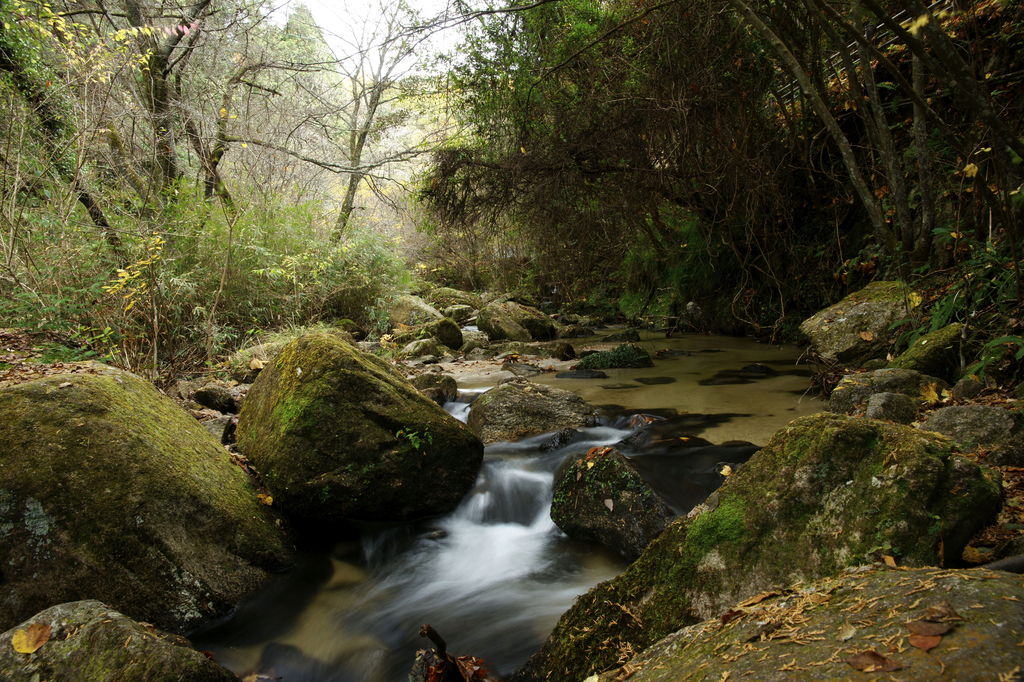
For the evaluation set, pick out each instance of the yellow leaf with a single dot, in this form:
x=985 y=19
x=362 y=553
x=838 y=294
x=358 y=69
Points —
x=867 y=336
x=726 y=470
x=889 y=561
x=917 y=24
x=28 y=640
x=245 y=146
x=223 y=112
x=915 y=299
x=256 y=363
x=522 y=150
x=930 y=393
x=265 y=499
x=590 y=465
x=970 y=170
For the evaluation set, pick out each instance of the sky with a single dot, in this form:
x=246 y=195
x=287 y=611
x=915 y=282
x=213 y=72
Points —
x=343 y=20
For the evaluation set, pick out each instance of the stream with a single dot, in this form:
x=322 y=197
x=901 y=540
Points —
x=494 y=575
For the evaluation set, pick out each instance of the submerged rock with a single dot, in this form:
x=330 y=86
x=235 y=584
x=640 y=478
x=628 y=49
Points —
x=338 y=435
x=826 y=493
x=520 y=408
x=626 y=355
x=515 y=322
x=835 y=627
x=599 y=497
x=858 y=327
x=109 y=490
x=936 y=353
x=88 y=640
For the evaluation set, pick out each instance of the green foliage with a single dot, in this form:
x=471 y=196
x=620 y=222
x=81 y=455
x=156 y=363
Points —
x=419 y=441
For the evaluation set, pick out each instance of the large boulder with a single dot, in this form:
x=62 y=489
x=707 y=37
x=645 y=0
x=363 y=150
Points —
x=875 y=620
x=827 y=492
x=599 y=497
x=338 y=435
x=441 y=388
x=997 y=430
x=626 y=355
x=109 y=490
x=515 y=322
x=853 y=390
x=412 y=310
x=445 y=297
x=858 y=327
x=87 y=640
x=520 y=408
x=936 y=353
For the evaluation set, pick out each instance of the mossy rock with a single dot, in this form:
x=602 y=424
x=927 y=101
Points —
x=338 y=435
x=853 y=391
x=109 y=490
x=447 y=332
x=626 y=355
x=936 y=353
x=473 y=340
x=90 y=641
x=858 y=327
x=445 y=297
x=599 y=497
x=421 y=348
x=514 y=322
x=827 y=492
x=813 y=632
x=520 y=408
x=245 y=364
x=412 y=310
x=441 y=388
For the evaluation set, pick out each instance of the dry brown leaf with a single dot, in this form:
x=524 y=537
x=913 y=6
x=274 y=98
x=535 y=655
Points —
x=928 y=628
x=889 y=561
x=758 y=598
x=867 y=336
x=930 y=393
x=872 y=662
x=925 y=642
x=256 y=363
x=28 y=640
x=941 y=612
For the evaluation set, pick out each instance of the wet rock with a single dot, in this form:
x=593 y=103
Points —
x=894 y=407
x=337 y=435
x=412 y=310
x=853 y=390
x=977 y=611
x=90 y=641
x=515 y=322
x=109 y=490
x=599 y=497
x=858 y=327
x=972 y=426
x=520 y=348
x=521 y=369
x=447 y=332
x=625 y=336
x=519 y=408
x=561 y=439
x=626 y=355
x=745 y=375
x=222 y=428
x=441 y=388
x=216 y=397
x=827 y=492
x=481 y=354
x=936 y=353
x=582 y=374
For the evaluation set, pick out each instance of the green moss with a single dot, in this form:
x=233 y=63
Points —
x=626 y=355
x=936 y=354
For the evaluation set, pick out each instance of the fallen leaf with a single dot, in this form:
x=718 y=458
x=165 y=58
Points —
x=872 y=662
x=925 y=642
x=611 y=505
x=915 y=299
x=590 y=465
x=889 y=561
x=28 y=640
x=941 y=612
x=928 y=628
x=847 y=632
x=256 y=363
x=66 y=384
x=265 y=499
x=930 y=393
x=726 y=470
x=867 y=336
x=730 y=616
x=970 y=170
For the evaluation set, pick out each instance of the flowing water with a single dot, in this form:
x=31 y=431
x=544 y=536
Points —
x=494 y=575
